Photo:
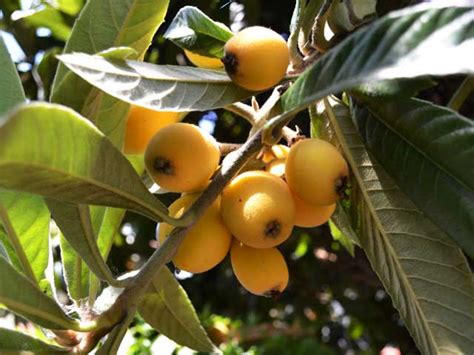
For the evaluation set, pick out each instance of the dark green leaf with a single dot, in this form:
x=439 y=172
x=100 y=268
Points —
x=47 y=68
x=21 y=296
x=193 y=30
x=167 y=308
x=25 y=219
x=400 y=88
x=15 y=342
x=420 y=267
x=160 y=87
x=10 y=84
x=428 y=150
x=51 y=150
x=400 y=45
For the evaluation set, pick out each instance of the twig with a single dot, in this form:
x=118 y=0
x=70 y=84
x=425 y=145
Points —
x=461 y=94
x=242 y=110
x=226 y=148
x=292 y=136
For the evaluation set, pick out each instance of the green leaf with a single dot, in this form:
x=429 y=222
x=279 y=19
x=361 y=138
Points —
x=159 y=87
x=21 y=296
x=400 y=87
x=119 y=23
x=311 y=10
x=109 y=224
x=100 y=26
x=420 y=267
x=402 y=44
x=428 y=150
x=47 y=67
x=50 y=18
x=3 y=251
x=69 y=160
x=193 y=30
x=74 y=221
x=13 y=341
x=10 y=84
x=167 y=308
x=115 y=337
x=25 y=219
x=342 y=231
x=75 y=271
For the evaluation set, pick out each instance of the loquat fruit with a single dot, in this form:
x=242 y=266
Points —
x=142 y=125
x=182 y=158
x=203 y=61
x=308 y=215
x=206 y=243
x=259 y=271
x=258 y=209
x=277 y=151
x=316 y=171
x=256 y=58
x=276 y=167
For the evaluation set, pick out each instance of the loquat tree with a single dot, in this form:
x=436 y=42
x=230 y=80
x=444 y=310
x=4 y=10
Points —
x=391 y=172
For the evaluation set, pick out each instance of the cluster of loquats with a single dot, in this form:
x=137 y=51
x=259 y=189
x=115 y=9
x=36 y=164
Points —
x=258 y=209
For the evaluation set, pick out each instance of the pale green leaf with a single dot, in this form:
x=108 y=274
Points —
x=21 y=296
x=159 y=87
x=74 y=221
x=12 y=341
x=69 y=160
x=10 y=84
x=101 y=26
x=167 y=308
x=25 y=219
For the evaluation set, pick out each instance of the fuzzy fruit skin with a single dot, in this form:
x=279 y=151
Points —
x=260 y=271
x=207 y=242
x=258 y=209
x=191 y=154
x=314 y=171
x=142 y=125
x=203 y=61
x=256 y=58
x=309 y=216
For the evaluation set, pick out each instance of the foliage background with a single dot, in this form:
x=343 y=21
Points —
x=334 y=302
